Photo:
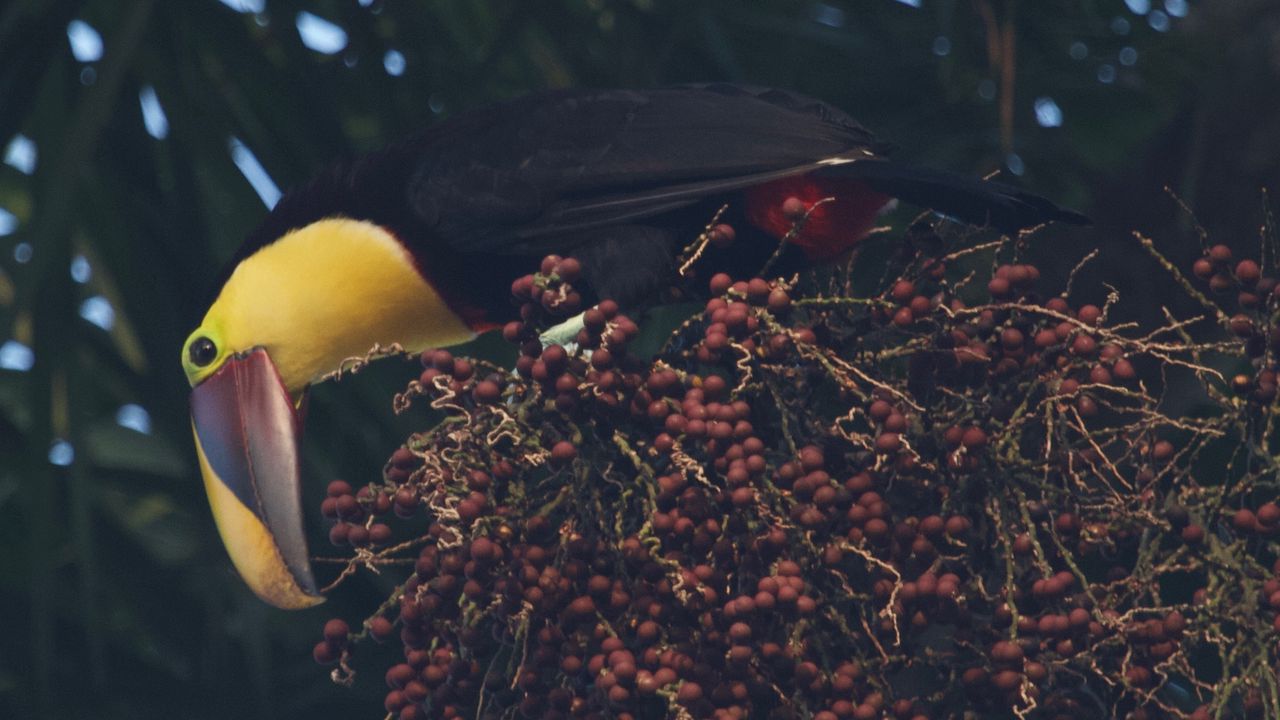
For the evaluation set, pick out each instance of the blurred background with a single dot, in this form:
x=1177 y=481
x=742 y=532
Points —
x=141 y=140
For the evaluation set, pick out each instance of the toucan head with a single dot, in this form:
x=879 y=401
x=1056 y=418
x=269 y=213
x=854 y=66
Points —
x=290 y=313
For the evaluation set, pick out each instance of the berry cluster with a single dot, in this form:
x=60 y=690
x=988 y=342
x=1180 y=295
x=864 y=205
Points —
x=1257 y=296
x=350 y=510
x=956 y=496
x=549 y=292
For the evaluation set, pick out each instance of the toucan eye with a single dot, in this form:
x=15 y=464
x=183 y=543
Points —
x=202 y=351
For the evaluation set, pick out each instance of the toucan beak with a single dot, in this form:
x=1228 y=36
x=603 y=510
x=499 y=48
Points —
x=247 y=434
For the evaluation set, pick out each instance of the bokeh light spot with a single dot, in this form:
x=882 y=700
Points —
x=1048 y=114
x=245 y=6
x=321 y=35
x=20 y=154
x=61 y=453
x=153 y=117
x=135 y=417
x=97 y=310
x=253 y=171
x=86 y=43
x=393 y=62
x=80 y=270
x=16 y=356
x=1015 y=164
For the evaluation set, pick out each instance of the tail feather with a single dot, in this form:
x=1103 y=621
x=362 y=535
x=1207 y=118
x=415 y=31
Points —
x=973 y=200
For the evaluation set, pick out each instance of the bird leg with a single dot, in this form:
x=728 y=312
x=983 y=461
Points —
x=564 y=334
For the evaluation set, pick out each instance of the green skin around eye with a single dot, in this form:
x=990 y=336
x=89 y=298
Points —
x=195 y=371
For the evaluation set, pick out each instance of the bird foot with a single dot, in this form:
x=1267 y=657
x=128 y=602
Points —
x=565 y=334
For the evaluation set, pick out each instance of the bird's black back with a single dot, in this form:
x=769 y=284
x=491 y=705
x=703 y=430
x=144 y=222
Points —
x=560 y=171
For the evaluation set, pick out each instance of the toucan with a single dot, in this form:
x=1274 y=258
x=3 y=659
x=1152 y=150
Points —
x=418 y=245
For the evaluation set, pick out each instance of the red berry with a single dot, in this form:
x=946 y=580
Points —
x=720 y=284
x=487 y=391
x=358 y=535
x=395 y=702
x=563 y=453
x=1123 y=370
x=1268 y=514
x=1244 y=520
x=722 y=235
x=1007 y=680
x=1193 y=534
x=582 y=606
x=1006 y=652
x=324 y=653
x=569 y=269
x=484 y=550
x=974 y=438
x=778 y=300
x=338 y=533
x=594 y=319
x=794 y=208
x=1248 y=272
x=521 y=288
x=958 y=525
x=381 y=628
x=398 y=676
x=1202 y=268
x=903 y=317
x=1083 y=345
x=888 y=442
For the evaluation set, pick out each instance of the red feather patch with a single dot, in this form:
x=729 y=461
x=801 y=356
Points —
x=833 y=227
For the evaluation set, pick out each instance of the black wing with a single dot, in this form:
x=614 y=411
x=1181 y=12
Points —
x=971 y=199
x=501 y=178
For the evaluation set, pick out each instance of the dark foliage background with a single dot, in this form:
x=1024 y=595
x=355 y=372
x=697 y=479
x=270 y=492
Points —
x=118 y=598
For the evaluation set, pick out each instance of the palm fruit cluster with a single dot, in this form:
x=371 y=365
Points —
x=952 y=493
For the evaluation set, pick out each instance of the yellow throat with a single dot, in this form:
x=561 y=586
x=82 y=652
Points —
x=321 y=294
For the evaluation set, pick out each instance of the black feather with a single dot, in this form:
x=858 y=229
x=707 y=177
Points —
x=558 y=171
x=565 y=161
x=973 y=200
